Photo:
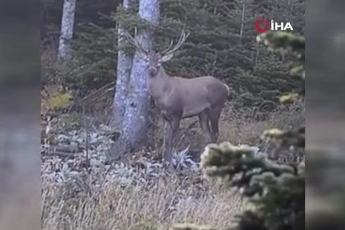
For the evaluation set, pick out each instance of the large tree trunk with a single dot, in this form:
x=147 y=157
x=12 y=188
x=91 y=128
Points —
x=124 y=66
x=134 y=131
x=67 y=24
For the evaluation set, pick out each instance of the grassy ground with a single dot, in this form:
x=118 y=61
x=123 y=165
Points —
x=167 y=200
x=154 y=207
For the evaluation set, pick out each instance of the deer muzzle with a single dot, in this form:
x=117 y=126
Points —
x=152 y=71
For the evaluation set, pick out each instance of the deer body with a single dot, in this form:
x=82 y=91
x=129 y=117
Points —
x=178 y=98
x=188 y=97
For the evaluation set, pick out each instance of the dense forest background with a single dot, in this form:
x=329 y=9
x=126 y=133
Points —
x=222 y=43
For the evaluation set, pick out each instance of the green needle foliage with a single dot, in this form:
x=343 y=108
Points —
x=275 y=192
x=287 y=43
x=288 y=138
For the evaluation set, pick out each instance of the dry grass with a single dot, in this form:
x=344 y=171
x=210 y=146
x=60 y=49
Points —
x=155 y=207
x=239 y=130
x=168 y=200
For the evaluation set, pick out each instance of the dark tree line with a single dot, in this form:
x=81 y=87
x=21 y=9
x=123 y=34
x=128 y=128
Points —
x=222 y=43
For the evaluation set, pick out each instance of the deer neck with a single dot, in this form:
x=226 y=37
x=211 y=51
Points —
x=162 y=75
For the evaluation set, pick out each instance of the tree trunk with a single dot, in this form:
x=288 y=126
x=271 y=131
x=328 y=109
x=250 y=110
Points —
x=67 y=24
x=242 y=20
x=124 y=66
x=134 y=131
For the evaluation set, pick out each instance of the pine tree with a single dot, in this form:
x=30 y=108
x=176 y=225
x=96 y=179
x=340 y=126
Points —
x=136 y=121
x=124 y=66
x=67 y=28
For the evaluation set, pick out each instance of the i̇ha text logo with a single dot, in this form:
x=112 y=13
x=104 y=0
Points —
x=262 y=25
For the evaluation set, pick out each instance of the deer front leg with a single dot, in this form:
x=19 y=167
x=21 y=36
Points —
x=167 y=141
x=170 y=131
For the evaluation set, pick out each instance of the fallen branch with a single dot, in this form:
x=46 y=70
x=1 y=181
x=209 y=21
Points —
x=68 y=149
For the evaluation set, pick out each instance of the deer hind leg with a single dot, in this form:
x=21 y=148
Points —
x=170 y=130
x=204 y=123
x=214 y=116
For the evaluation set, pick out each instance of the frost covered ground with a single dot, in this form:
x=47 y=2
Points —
x=82 y=191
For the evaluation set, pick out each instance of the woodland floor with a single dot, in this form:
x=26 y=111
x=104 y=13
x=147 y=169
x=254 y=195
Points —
x=143 y=197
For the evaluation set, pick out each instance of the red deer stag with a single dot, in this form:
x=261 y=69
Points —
x=178 y=98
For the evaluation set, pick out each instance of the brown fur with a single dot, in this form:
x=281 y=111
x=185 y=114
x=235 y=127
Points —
x=178 y=98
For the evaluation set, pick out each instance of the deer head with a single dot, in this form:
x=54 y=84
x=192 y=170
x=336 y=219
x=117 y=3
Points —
x=156 y=59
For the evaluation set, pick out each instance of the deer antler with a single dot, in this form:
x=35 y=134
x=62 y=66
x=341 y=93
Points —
x=135 y=42
x=181 y=40
x=167 y=49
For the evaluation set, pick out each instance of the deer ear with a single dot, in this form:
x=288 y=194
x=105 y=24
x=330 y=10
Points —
x=167 y=57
